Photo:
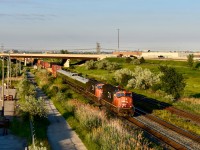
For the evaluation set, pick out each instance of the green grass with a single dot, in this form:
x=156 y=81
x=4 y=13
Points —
x=21 y=127
x=75 y=125
x=176 y=120
x=191 y=78
x=73 y=119
x=41 y=125
x=102 y=75
x=189 y=106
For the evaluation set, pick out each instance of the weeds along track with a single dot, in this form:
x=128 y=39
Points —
x=156 y=133
x=171 y=135
x=162 y=105
x=183 y=137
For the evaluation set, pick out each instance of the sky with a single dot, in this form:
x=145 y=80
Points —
x=171 y=25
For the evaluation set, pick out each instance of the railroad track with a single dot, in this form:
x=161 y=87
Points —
x=170 y=137
x=193 y=137
x=162 y=105
x=176 y=144
x=156 y=134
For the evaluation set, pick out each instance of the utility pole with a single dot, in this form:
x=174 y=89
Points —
x=10 y=66
x=118 y=39
x=8 y=72
x=20 y=67
x=16 y=68
x=2 y=88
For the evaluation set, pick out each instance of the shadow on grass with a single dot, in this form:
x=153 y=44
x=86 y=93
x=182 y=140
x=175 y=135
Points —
x=148 y=104
x=68 y=115
x=196 y=95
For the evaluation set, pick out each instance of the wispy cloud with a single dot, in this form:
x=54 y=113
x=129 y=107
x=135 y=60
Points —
x=15 y=1
x=29 y=16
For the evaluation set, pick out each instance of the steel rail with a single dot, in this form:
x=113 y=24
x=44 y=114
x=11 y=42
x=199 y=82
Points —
x=168 y=107
x=174 y=128
x=151 y=131
x=157 y=134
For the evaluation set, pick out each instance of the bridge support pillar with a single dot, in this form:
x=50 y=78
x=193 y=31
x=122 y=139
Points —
x=67 y=63
x=25 y=61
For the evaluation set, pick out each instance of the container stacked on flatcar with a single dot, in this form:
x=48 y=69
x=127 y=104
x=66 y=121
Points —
x=40 y=63
x=54 y=69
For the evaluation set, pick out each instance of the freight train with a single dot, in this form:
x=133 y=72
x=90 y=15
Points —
x=114 y=98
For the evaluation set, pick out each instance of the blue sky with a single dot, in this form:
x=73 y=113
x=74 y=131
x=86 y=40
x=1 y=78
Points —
x=71 y=24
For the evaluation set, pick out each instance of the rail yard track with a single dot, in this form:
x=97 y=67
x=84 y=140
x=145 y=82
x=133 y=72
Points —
x=183 y=132
x=162 y=105
x=173 y=136
x=179 y=136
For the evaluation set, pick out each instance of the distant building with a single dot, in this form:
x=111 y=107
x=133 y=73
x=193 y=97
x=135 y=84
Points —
x=13 y=51
x=128 y=54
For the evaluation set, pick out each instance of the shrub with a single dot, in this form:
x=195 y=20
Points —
x=113 y=66
x=54 y=90
x=102 y=64
x=190 y=60
x=25 y=88
x=33 y=106
x=128 y=59
x=90 y=65
x=106 y=65
x=90 y=120
x=123 y=75
x=197 y=65
x=142 y=60
x=143 y=79
x=60 y=97
x=136 y=62
x=172 y=82
x=108 y=134
x=156 y=87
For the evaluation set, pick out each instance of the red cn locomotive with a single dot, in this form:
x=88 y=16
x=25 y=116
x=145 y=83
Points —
x=114 y=98
x=119 y=100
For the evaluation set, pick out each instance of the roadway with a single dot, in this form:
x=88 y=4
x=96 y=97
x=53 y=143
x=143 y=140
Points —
x=62 y=56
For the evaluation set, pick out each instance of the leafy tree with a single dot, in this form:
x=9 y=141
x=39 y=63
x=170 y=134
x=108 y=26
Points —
x=142 y=60
x=33 y=107
x=113 y=66
x=25 y=88
x=122 y=76
x=128 y=59
x=102 y=64
x=197 y=65
x=90 y=65
x=62 y=61
x=172 y=82
x=190 y=60
x=28 y=104
x=143 y=79
x=64 y=51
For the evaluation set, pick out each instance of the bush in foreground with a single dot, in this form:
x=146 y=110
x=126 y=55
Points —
x=107 y=133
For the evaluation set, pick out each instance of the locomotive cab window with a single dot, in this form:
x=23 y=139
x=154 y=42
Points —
x=118 y=95
x=129 y=94
x=109 y=95
x=99 y=86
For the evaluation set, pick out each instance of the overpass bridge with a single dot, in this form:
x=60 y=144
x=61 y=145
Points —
x=68 y=57
x=61 y=56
